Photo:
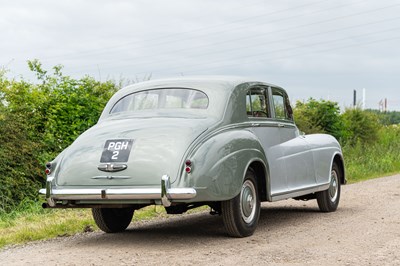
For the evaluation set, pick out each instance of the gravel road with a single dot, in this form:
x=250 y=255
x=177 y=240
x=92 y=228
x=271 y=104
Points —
x=365 y=230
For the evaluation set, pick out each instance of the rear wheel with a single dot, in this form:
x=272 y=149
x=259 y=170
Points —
x=241 y=214
x=328 y=200
x=112 y=220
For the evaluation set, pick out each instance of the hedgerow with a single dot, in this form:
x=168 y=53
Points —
x=37 y=121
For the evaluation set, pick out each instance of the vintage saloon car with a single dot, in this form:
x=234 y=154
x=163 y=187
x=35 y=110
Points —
x=181 y=143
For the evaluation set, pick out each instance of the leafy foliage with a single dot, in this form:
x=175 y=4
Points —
x=360 y=126
x=318 y=117
x=19 y=167
x=37 y=121
x=351 y=127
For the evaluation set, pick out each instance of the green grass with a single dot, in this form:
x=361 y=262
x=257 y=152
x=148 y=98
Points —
x=30 y=222
x=33 y=223
x=366 y=161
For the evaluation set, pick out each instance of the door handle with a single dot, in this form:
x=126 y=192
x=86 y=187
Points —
x=255 y=125
x=281 y=125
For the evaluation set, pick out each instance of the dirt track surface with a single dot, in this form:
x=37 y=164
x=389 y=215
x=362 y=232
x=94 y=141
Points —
x=365 y=230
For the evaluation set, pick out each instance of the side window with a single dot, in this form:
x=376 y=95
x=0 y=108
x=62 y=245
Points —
x=257 y=103
x=281 y=105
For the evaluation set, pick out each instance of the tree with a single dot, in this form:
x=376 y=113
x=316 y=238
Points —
x=318 y=117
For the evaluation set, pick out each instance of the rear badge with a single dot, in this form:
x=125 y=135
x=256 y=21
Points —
x=110 y=167
x=116 y=150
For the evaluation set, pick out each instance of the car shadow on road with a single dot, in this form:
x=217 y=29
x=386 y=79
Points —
x=202 y=228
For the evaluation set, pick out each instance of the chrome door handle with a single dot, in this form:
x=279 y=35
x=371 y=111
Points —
x=255 y=125
x=281 y=125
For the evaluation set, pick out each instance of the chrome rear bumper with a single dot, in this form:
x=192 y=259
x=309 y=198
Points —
x=165 y=193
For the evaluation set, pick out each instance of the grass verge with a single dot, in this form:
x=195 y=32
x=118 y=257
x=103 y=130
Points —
x=30 y=222
x=374 y=160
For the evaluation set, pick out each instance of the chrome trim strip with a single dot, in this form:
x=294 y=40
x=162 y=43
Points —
x=299 y=192
x=181 y=193
x=110 y=177
x=165 y=193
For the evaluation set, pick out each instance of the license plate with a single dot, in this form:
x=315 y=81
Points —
x=116 y=150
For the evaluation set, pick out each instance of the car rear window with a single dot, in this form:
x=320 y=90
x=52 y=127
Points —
x=170 y=98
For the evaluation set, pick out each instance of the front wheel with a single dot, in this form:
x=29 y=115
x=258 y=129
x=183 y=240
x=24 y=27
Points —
x=241 y=214
x=112 y=220
x=328 y=200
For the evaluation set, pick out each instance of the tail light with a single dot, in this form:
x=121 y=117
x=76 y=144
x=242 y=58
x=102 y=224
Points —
x=188 y=167
x=48 y=168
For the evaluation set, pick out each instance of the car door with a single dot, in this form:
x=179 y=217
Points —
x=297 y=155
x=267 y=131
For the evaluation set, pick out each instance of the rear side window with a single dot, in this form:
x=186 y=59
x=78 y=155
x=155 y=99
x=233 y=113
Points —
x=257 y=103
x=162 y=99
x=281 y=105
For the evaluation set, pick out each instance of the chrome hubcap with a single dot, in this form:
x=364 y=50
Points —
x=333 y=188
x=248 y=201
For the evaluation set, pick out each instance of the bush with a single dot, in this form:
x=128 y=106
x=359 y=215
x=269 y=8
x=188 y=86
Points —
x=318 y=117
x=20 y=169
x=69 y=107
x=37 y=121
x=359 y=127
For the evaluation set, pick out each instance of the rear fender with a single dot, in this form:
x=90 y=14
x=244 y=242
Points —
x=325 y=148
x=220 y=163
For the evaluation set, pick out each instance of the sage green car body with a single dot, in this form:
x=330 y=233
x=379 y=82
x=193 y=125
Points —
x=221 y=142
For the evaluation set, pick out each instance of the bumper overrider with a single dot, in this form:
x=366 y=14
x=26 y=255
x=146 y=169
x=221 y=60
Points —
x=165 y=193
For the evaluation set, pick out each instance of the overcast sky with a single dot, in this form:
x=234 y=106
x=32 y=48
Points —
x=320 y=49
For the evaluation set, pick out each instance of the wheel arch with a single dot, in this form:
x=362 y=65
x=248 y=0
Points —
x=338 y=159
x=261 y=171
x=220 y=163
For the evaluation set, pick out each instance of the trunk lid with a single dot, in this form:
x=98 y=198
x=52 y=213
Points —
x=148 y=147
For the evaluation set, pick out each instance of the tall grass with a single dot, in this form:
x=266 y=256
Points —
x=373 y=160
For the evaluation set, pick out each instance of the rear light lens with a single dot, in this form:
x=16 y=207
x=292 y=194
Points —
x=48 y=168
x=188 y=167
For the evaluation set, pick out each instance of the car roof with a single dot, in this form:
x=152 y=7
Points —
x=218 y=88
x=223 y=82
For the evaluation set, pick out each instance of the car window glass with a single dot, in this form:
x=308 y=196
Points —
x=257 y=103
x=280 y=104
x=162 y=99
x=143 y=101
